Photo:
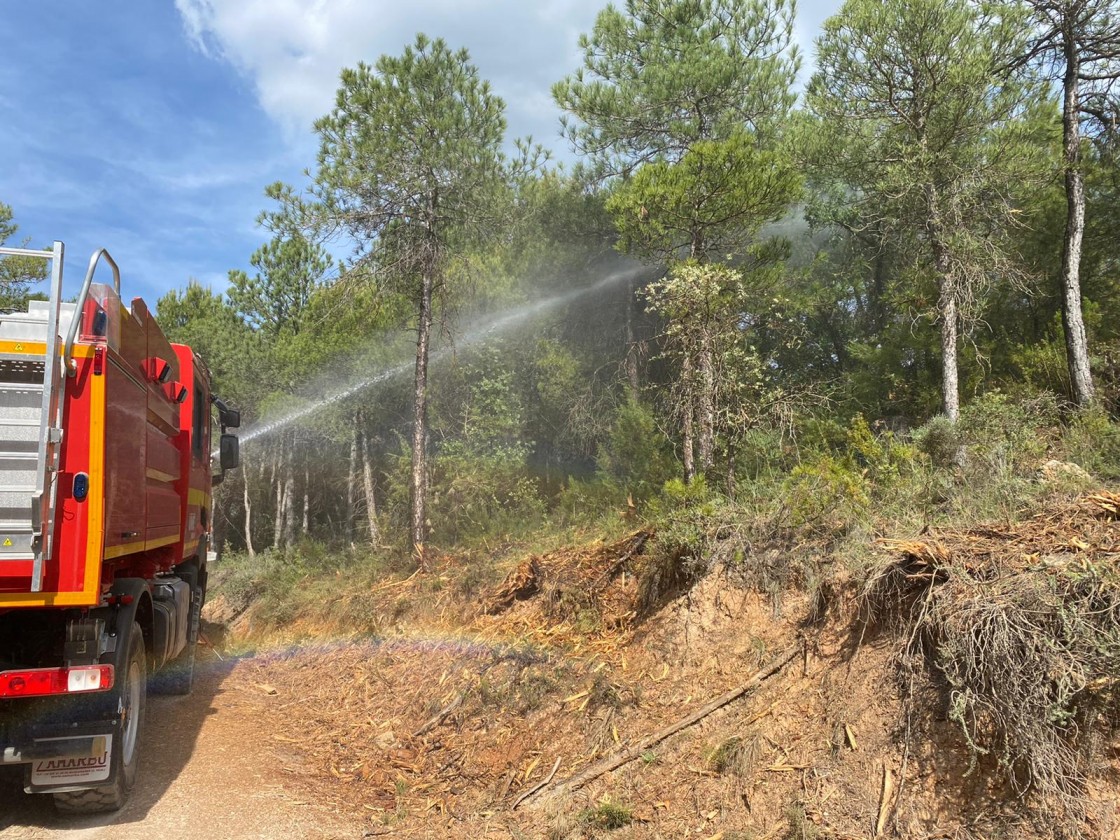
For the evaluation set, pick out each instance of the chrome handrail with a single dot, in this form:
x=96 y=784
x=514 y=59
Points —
x=67 y=362
x=28 y=252
x=44 y=496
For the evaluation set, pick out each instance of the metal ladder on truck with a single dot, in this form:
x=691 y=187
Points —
x=30 y=420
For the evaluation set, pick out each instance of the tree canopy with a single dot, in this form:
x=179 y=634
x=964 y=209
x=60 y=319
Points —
x=448 y=340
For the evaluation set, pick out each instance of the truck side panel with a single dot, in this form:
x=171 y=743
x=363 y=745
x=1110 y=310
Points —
x=194 y=419
x=163 y=455
x=73 y=576
x=125 y=453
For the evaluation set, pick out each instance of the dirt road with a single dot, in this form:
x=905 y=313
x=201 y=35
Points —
x=207 y=770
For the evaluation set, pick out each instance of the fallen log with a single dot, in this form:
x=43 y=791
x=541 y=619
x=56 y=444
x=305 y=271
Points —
x=529 y=793
x=594 y=771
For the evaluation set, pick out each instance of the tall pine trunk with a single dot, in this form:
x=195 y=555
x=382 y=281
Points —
x=1073 y=322
x=946 y=306
x=419 y=529
x=631 y=341
x=305 y=525
x=368 y=488
x=950 y=384
x=287 y=536
x=688 y=411
x=706 y=403
x=352 y=480
x=249 y=550
x=278 y=487
x=694 y=406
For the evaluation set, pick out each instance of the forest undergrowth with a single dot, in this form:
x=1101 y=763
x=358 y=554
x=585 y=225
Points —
x=978 y=560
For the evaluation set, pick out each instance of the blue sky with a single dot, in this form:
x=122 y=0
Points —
x=152 y=128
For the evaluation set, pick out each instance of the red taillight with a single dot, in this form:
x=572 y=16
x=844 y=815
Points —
x=98 y=361
x=42 y=682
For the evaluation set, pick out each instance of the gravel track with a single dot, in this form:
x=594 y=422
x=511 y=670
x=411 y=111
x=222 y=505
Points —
x=208 y=769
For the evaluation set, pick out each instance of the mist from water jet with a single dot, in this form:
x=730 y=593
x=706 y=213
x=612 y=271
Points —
x=487 y=328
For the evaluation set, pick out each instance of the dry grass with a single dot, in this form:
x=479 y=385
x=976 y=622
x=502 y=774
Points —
x=737 y=756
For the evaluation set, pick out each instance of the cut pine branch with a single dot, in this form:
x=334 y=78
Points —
x=438 y=718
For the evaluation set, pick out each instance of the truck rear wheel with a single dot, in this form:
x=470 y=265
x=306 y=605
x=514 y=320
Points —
x=131 y=692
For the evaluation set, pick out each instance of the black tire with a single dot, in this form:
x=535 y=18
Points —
x=131 y=696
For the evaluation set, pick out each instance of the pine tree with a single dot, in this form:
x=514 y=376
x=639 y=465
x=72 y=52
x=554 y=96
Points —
x=925 y=121
x=408 y=159
x=682 y=101
x=1078 y=43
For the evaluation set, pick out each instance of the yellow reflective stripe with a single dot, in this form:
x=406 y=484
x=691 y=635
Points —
x=140 y=545
x=95 y=503
x=161 y=476
x=198 y=497
x=49 y=599
x=30 y=348
x=39 y=348
x=114 y=551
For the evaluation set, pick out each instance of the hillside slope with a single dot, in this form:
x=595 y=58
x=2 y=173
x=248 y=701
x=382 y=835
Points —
x=495 y=713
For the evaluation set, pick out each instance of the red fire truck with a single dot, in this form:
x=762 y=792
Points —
x=105 y=510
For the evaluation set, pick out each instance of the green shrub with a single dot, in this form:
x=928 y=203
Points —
x=1008 y=436
x=685 y=517
x=690 y=521
x=825 y=494
x=608 y=815
x=479 y=494
x=584 y=501
x=763 y=453
x=882 y=457
x=1043 y=366
x=995 y=451
x=940 y=440
x=637 y=457
x=821 y=435
x=1092 y=441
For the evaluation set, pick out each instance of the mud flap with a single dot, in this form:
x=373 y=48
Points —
x=78 y=760
x=79 y=764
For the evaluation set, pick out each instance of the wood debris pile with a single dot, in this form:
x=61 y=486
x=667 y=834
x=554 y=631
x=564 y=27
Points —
x=579 y=593
x=1022 y=622
x=452 y=738
x=1084 y=532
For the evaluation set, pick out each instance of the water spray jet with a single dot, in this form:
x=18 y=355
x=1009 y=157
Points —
x=475 y=335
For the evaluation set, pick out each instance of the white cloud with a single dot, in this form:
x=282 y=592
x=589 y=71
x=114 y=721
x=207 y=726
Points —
x=293 y=50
